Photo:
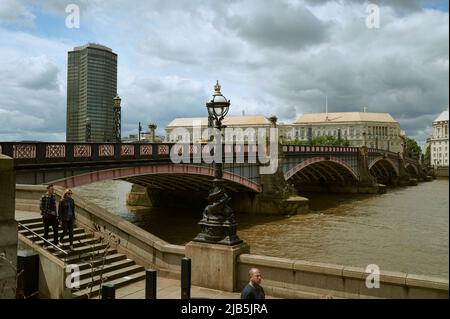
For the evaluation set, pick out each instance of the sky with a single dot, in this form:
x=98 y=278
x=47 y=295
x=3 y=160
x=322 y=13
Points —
x=272 y=57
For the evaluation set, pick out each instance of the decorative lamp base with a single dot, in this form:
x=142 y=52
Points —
x=218 y=233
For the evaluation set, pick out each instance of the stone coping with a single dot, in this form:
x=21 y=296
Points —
x=390 y=277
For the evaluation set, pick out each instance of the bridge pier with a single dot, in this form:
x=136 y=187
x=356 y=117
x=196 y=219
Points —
x=367 y=184
x=277 y=196
x=243 y=202
x=138 y=196
x=404 y=178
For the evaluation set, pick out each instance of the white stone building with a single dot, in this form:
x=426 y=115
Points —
x=381 y=130
x=439 y=141
x=181 y=129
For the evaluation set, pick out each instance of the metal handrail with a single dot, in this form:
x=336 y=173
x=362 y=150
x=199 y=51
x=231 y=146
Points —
x=45 y=240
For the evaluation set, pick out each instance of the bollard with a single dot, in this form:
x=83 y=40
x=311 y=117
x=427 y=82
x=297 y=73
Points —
x=150 y=284
x=108 y=291
x=185 y=278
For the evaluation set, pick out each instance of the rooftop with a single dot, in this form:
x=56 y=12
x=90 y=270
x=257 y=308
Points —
x=92 y=45
x=229 y=120
x=345 y=117
x=442 y=117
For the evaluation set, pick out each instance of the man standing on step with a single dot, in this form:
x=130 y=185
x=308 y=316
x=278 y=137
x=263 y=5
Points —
x=48 y=212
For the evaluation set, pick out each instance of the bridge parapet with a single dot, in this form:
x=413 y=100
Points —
x=43 y=153
x=318 y=149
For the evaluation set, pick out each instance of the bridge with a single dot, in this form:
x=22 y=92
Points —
x=300 y=167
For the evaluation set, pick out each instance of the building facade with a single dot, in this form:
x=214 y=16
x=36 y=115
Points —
x=245 y=128
x=439 y=141
x=91 y=88
x=375 y=130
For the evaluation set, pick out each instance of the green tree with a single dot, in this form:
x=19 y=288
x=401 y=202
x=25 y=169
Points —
x=413 y=149
x=325 y=140
x=273 y=119
x=427 y=157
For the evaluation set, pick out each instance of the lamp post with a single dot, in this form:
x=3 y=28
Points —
x=218 y=225
x=139 y=132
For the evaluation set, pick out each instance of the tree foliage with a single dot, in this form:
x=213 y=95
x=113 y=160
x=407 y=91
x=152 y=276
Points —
x=413 y=149
x=427 y=157
x=325 y=140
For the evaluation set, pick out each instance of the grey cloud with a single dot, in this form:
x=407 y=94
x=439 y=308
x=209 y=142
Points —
x=41 y=74
x=399 y=5
x=159 y=100
x=32 y=99
x=274 y=24
x=172 y=49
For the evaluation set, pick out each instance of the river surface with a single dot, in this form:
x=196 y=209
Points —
x=404 y=230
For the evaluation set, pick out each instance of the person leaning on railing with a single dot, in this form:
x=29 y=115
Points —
x=48 y=212
x=66 y=212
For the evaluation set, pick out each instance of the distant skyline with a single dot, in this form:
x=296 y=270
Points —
x=278 y=59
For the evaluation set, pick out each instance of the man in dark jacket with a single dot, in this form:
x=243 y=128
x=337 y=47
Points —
x=253 y=290
x=48 y=212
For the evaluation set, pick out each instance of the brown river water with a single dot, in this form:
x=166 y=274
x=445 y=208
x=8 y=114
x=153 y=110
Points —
x=404 y=230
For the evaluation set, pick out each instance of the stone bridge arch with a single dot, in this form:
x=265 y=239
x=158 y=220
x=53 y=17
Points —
x=173 y=177
x=321 y=169
x=384 y=169
x=412 y=169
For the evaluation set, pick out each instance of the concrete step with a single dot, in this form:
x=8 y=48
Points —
x=30 y=220
x=33 y=225
x=28 y=206
x=111 y=275
x=119 y=282
x=85 y=249
x=109 y=259
x=40 y=231
x=76 y=238
x=28 y=200
x=76 y=244
x=88 y=257
x=121 y=264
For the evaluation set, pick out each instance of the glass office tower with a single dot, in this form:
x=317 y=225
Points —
x=91 y=88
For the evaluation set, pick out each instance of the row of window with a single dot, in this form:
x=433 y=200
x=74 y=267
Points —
x=440 y=155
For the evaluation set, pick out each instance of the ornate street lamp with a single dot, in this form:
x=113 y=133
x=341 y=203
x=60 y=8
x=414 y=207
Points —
x=117 y=119
x=218 y=223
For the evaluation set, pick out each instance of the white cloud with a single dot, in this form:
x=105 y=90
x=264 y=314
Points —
x=15 y=12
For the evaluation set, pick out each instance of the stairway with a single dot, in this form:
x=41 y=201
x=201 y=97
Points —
x=97 y=260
